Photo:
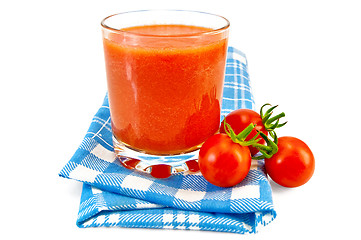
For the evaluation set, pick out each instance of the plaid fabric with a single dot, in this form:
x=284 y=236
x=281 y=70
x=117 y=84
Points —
x=115 y=196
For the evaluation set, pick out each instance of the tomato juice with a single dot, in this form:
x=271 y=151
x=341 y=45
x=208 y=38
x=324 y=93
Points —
x=165 y=85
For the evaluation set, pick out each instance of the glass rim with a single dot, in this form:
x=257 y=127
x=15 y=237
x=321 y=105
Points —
x=211 y=31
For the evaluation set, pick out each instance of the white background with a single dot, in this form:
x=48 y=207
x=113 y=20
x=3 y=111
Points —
x=303 y=56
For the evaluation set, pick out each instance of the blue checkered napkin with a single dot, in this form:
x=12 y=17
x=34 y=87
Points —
x=115 y=196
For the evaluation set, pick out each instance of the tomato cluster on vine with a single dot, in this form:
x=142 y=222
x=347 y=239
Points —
x=225 y=158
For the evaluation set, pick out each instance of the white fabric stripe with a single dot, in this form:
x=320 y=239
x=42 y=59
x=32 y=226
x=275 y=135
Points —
x=100 y=138
x=104 y=125
x=235 y=90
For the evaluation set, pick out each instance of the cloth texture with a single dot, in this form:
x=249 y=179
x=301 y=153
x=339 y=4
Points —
x=115 y=196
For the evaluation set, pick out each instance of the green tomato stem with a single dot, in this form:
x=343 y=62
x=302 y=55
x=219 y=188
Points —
x=269 y=150
x=271 y=123
x=266 y=150
x=261 y=110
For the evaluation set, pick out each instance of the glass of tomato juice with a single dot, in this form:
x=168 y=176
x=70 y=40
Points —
x=165 y=73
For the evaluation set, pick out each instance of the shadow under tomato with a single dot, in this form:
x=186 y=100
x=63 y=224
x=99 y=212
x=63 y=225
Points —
x=278 y=189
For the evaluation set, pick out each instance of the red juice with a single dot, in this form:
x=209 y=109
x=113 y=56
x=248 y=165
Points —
x=165 y=86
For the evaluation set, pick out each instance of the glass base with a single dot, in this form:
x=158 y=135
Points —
x=159 y=166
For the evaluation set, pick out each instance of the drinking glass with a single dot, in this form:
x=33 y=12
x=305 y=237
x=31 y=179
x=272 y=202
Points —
x=165 y=74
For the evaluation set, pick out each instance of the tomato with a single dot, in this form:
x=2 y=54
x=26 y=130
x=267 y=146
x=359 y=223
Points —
x=293 y=165
x=223 y=162
x=239 y=119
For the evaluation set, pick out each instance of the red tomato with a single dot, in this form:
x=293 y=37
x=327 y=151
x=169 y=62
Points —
x=223 y=162
x=293 y=165
x=239 y=119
